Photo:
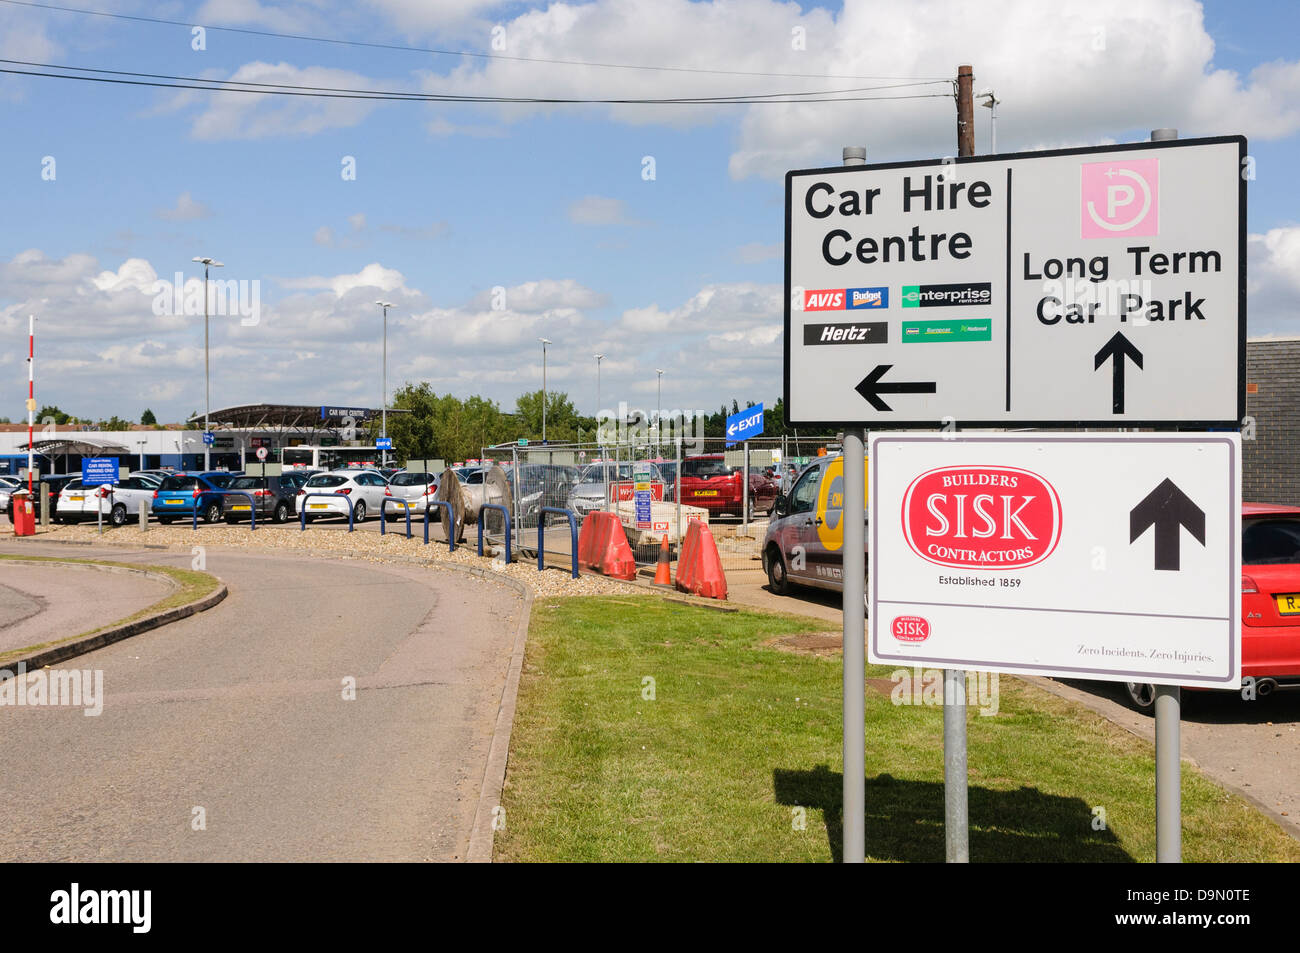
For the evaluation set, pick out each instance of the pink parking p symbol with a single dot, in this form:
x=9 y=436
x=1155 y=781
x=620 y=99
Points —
x=1120 y=198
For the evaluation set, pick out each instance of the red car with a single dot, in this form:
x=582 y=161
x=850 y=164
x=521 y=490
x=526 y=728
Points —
x=707 y=481
x=1270 y=602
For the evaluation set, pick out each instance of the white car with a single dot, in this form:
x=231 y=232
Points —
x=365 y=488
x=418 y=489
x=7 y=485
x=118 y=502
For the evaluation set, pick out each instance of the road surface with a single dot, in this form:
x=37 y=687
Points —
x=228 y=736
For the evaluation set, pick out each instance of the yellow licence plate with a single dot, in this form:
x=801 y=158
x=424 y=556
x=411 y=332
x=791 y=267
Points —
x=1288 y=604
x=173 y=502
x=706 y=492
x=318 y=506
x=77 y=499
x=241 y=506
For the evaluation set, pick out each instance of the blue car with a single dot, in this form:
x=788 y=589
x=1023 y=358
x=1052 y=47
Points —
x=180 y=493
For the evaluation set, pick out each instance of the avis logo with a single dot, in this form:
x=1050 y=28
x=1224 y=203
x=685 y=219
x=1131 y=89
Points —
x=981 y=517
x=1120 y=198
x=910 y=628
x=828 y=300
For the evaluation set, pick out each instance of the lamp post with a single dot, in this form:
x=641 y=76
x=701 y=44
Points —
x=991 y=103
x=207 y=389
x=383 y=426
x=544 y=343
x=659 y=408
x=599 y=358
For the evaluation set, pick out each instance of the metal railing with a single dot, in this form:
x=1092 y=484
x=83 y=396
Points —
x=541 y=537
x=451 y=526
x=405 y=504
x=505 y=512
x=302 y=509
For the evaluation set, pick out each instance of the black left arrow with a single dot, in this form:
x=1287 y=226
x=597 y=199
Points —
x=870 y=387
x=1117 y=348
x=1168 y=509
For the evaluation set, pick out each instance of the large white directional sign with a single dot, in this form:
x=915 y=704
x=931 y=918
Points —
x=1106 y=556
x=1084 y=287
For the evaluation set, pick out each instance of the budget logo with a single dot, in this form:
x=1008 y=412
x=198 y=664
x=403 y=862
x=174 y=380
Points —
x=868 y=297
x=981 y=517
x=946 y=296
x=910 y=628
x=1120 y=198
x=831 y=299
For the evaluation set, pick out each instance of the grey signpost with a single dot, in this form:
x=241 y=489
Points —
x=855 y=651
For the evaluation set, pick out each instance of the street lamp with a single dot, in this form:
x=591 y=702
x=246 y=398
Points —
x=383 y=426
x=991 y=103
x=207 y=391
x=599 y=358
x=659 y=407
x=544 y=343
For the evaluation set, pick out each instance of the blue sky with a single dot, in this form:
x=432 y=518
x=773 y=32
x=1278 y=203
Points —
x=452 y=201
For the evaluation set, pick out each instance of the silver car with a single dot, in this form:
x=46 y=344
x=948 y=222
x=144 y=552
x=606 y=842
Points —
x=592 y=491
x=804 y=544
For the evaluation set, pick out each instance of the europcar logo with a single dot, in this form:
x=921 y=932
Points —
x=829 y=299
x=867 y=298
x=910 y=628
x=982 y=517
x=944 y=296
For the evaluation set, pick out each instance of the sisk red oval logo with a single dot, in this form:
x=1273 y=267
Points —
x=982 y=517
x=910 y=628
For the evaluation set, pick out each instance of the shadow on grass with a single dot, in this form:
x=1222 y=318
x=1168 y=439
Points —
x=905 y=820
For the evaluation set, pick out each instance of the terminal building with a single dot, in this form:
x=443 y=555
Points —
x=294 y=435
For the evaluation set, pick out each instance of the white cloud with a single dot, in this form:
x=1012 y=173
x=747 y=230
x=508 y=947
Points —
x=373 y=275
x=599 y=210
x=1273 y=281
x=186 y=209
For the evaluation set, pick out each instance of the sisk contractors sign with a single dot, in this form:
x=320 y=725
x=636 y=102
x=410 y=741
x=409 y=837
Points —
x=1080 y=287
x=1105 y=556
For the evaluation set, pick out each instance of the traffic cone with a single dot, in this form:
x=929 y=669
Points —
x=663 y=576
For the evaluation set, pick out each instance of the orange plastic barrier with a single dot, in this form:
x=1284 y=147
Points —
x=699 y=568
x=602 y=546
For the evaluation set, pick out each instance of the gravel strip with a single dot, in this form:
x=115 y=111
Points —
x=369 y=546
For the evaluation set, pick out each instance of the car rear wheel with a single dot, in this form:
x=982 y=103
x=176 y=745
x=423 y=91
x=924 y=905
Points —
x=118 y=515
x=1141 y=696
x=359 y=512
x=212 y=512
x=281 y=514
x=777 y=579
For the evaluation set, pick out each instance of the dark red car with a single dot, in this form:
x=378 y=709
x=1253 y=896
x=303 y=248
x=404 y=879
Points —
x=708 y=482
x=1270 y=602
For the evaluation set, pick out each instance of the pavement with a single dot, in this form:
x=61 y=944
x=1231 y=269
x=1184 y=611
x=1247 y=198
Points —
x=1251 y=748
x=232 y=736
x=42 y=602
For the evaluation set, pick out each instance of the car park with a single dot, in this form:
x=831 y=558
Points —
x=116 y=501
x=804 y=542
x=598 y=484
x=273 y=498
x=181 y=493
x=417 y=489
x=1270 y=603
x=54 y=482
x=365 y=488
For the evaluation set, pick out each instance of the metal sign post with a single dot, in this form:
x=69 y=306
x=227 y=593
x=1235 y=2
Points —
x=854 y=649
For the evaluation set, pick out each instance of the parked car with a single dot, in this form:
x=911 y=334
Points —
x=365 y=488
x=179 y=494
x=116 y=501
x=1270 y=603
x=7 y=485
x=273 y=496
x=597 y=481
x=707 y=481
x=804 y=543
x=55 y=482
x=418 y=489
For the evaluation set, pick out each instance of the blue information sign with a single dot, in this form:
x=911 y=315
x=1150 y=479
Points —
x=208 y=438
x=96 y=471
x=384 y=443
x=746 y=424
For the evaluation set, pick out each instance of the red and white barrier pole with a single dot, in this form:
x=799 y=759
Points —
x=31 y=395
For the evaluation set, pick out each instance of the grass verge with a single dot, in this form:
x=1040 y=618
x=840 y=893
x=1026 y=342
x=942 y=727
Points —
x=737 y=756
x=190 y=586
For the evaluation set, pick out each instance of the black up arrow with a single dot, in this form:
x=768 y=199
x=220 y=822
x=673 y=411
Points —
x=1167 y=508
x=871 y=388
x=1117 y=348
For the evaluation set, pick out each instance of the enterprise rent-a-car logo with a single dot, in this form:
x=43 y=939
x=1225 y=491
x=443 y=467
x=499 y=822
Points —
x=942 y=296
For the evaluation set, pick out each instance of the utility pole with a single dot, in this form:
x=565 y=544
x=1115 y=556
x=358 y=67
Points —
x=965 y=111
x=956 y=798
x=207 y=388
